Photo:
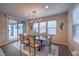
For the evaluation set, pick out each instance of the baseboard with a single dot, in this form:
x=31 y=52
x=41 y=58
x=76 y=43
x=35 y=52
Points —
x=59 y=42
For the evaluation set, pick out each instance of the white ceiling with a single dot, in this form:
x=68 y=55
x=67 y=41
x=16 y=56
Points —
x=21 y=9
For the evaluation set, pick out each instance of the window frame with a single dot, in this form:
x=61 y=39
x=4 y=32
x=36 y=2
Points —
x=45 y=27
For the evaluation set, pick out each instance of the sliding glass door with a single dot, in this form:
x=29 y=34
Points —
x=15 y=27
x=21 y=27
x=12 y=27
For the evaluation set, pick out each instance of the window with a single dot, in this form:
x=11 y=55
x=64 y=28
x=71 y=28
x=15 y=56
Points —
x=52 y=27
x=76 y=24
x=35 y=27
x=76 y=32
x=42 y=27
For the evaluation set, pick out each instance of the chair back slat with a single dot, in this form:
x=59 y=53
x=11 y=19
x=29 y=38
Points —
x=31 y=40
x=50 y=37
x=21 y=38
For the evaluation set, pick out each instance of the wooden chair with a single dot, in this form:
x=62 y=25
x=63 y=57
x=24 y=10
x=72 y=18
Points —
x=44 y=34
x=48 y=42
x=23 y=40
x=33 y=44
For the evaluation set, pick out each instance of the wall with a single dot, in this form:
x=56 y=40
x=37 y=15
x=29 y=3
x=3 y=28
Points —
x=3 y=29
x=73 y=45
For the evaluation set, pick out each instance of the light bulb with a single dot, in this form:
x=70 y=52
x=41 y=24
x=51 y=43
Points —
x=46 y=6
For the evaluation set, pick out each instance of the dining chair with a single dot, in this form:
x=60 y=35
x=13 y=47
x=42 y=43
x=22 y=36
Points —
x=33 y=44
x=24 y=40
x=44 y=34
x=48 y=42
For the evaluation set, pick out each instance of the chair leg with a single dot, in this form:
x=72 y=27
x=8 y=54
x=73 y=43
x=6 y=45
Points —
x=49 y=49
x=24 y=46
x=34 y=51
x=39 y=48
x=29 y=51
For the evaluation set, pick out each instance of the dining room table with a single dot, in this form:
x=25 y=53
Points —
x=44 y=40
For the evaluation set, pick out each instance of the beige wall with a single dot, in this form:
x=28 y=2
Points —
x=3 y=29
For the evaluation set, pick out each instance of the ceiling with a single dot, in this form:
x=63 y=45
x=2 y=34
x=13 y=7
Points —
x=24 y=10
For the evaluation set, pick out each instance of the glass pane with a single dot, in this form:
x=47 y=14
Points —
x=12 y=27
x=20 y=28
x=77 y=32
x=42 y=27
x=35 y=27
x=52 y=27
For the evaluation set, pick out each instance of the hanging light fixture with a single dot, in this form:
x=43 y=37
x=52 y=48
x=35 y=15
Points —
x=35 y=18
